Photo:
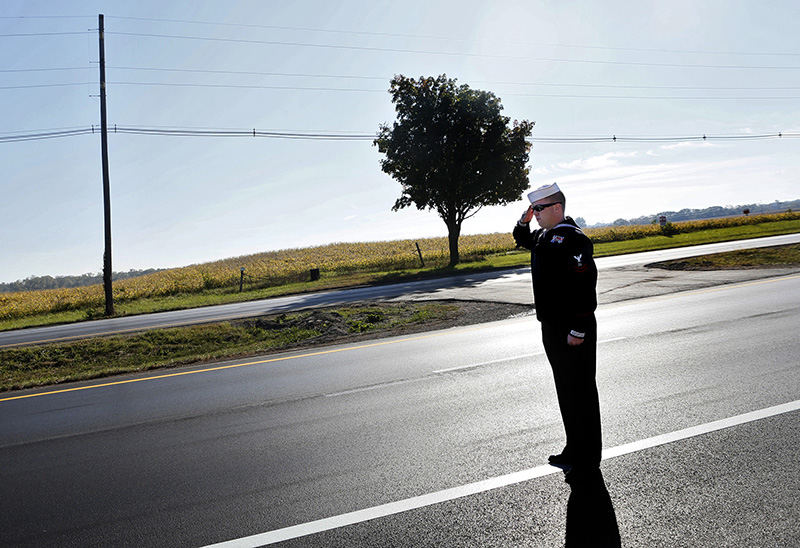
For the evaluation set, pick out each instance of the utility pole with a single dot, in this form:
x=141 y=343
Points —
x=106 y=191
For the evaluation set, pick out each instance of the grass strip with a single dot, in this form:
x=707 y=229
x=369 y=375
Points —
x=766 y=257
x=103 y=356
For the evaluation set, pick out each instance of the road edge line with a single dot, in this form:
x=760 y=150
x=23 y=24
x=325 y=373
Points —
x=429 y=499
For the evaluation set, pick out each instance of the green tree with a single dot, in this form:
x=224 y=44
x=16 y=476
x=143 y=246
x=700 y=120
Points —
x=452 y=151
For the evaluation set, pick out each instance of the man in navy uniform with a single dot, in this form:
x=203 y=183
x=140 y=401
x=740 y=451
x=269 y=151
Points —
x=564 y=293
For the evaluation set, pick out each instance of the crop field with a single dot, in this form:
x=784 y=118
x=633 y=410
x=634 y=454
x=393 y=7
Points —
x=293 y=265
x=263 y=269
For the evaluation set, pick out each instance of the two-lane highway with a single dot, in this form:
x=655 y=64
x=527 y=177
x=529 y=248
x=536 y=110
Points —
x=210 y=454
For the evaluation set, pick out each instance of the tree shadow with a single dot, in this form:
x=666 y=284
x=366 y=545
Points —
x=591 y=520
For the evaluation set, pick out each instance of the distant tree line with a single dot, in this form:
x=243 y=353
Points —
x=34 y=283
x=708 y=213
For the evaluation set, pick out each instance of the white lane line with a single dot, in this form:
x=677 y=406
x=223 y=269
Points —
x=359 y=516
x=447 y=370
x=373 y=387
x=492 y=362
x=700 y=429
x=406 y=381
x=457 y=368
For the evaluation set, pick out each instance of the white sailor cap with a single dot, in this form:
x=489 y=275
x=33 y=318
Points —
x=543 y=192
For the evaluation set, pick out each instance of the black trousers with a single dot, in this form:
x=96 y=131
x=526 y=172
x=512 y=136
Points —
x=574 y=369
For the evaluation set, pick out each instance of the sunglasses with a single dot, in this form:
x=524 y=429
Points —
x=542 y=207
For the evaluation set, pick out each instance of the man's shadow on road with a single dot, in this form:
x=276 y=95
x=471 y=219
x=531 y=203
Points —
x=591 y=520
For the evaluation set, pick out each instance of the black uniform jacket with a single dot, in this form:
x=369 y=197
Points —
x=564 y=274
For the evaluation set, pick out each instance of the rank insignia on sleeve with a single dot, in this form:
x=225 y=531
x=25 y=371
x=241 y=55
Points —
x=557 y=240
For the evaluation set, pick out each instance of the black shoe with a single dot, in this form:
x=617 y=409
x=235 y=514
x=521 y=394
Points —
x=560 y=461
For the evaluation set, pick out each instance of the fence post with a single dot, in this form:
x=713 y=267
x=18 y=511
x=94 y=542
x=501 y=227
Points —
x=420 y=254
x=241 y=280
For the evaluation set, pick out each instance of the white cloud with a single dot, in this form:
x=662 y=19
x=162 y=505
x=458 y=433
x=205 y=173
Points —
x=628 y=191
x=597 y=162
x=688 y=144
x=541 y=171
x=662 y=174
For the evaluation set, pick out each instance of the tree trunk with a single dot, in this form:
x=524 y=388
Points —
x=453 y=232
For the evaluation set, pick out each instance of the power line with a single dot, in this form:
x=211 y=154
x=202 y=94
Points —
x=190 y=132
x=414 y=36
x=682 y=51
x=630 y=86
x=64 y=84
x=448 y=53
x=254 y=73
x=43 y=130
x=362 y=90
x=277 y=130
x=45 y=135
x=19 y=35
x=388 y=78
x=417 y=36
x=656 y=97
x=499 y=93
x=365 y=136
x=278 y=27
x=503 y=93
x=696 y=138
x=46 y=69
x=48 y=16
x=492 y=82
x=243 y=86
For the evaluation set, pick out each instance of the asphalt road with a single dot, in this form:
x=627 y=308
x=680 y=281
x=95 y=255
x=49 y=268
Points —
x=201 y=456
x=516 y=288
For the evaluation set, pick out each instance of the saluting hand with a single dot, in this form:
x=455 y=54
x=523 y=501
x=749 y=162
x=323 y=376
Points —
x=527 y=216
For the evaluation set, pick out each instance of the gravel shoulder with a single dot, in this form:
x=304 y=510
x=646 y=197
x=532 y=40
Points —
x=335 y=328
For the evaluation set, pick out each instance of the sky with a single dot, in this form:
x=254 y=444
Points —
x=649 y=69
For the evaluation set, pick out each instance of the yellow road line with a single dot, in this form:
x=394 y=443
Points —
x=221 y=367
